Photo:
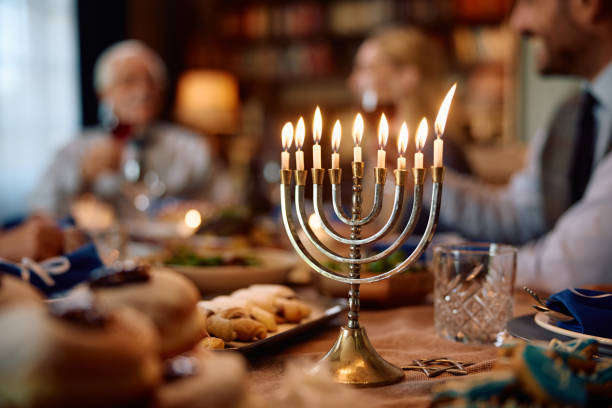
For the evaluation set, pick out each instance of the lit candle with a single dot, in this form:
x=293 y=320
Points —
x=402 y=144
x=439 y=125
x=336 y=136
x=383 y=136
x=357 y=136
x=420 y=139
x=300 y=134
x=317 y=127
x=287 y=139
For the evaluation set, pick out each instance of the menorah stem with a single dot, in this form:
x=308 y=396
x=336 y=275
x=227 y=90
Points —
x=355 y=250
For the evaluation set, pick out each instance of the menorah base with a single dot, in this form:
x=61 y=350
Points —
x=353 y=360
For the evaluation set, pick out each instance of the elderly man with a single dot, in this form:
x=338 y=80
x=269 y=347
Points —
x=130 y=147
x=559 y=208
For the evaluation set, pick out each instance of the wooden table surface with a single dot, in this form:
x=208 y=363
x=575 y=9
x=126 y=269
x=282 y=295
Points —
x=400 y=335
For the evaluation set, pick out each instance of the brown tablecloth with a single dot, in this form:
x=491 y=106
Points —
x=400 y=335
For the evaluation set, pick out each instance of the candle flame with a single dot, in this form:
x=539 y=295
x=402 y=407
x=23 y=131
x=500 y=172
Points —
x=358 y=129
x=402 y=139
x=287 y=136
x=383 y=132
x=317 y=126
x=336 y=136
x=440 y=122
x=300 y=133
x=421 y=136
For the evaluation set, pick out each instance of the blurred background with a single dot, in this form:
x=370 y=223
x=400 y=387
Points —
x=239 y=69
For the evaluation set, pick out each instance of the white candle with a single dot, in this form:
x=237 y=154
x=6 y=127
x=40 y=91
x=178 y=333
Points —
x=285 y=158
x=440 y=124
x=381 y=162
x=383 y=136
x=419 y=140
x=438 y=149
x=401 y=163
x=316 y=156
x=357 y=136
x=357 y=154
x=336 y=136
x=287 y=139
x=418 y=160
x=335 y=160
x=300 y=134
x=317 y=127
x=402 y=145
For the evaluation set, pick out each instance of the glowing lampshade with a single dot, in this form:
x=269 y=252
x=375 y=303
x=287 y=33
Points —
x=208 y=100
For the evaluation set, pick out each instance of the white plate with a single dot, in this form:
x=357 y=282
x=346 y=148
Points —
x=545 y=322
x=275 y=264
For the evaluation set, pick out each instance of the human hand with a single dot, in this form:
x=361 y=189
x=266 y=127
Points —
x=37 y=238
x=104 y=156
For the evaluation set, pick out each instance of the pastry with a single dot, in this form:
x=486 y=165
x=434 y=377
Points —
x=169 y=299
x=76 y=355
x=212 y=343
x=247 y=321
x=220 y=327
x=292 y=310
x=203 y=379
x=248 y=329
x=223 y=303
x=277 y=299
x=15 y=291
x=264 y=296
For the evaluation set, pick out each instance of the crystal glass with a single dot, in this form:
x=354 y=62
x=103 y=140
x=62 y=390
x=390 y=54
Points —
x=110 y=244
x=473 y=291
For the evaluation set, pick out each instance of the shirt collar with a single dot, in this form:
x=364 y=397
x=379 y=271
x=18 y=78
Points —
x=601 y=87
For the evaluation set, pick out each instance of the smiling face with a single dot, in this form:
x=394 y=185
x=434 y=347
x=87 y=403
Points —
x=134 y=93
x=370 y=76
x=561 y=39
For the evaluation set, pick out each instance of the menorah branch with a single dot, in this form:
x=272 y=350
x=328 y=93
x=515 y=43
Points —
x=425 y=239
x=317 y=194
x=380 y=179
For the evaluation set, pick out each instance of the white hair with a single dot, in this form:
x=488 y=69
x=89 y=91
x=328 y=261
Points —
x=103 y=69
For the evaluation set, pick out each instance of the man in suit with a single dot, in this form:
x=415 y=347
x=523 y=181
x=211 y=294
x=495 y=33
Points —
x=559 y=208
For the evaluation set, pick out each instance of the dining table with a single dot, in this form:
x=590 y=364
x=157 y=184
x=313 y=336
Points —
x=401 y=335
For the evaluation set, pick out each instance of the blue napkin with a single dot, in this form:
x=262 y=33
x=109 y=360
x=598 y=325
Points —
x=591 y=316
x=60 y=273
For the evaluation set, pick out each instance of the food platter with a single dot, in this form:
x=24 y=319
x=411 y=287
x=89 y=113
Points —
x=323 y=310
x=270 y=266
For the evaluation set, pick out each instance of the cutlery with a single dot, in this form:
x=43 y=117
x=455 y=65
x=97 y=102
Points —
x=537 y=297
x=553 y=313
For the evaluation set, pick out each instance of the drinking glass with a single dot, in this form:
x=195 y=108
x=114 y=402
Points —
x=473 y=291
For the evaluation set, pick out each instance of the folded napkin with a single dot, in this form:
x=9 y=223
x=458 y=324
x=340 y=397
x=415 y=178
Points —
x=56 y=275
x=591 y=315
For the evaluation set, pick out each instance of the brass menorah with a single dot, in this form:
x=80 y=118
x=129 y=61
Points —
x=353 y=359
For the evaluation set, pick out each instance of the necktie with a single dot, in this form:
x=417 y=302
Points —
x=584 y=148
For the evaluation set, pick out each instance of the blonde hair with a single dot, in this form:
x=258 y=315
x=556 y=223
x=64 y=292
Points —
x=103 y=69
x=404 y=46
